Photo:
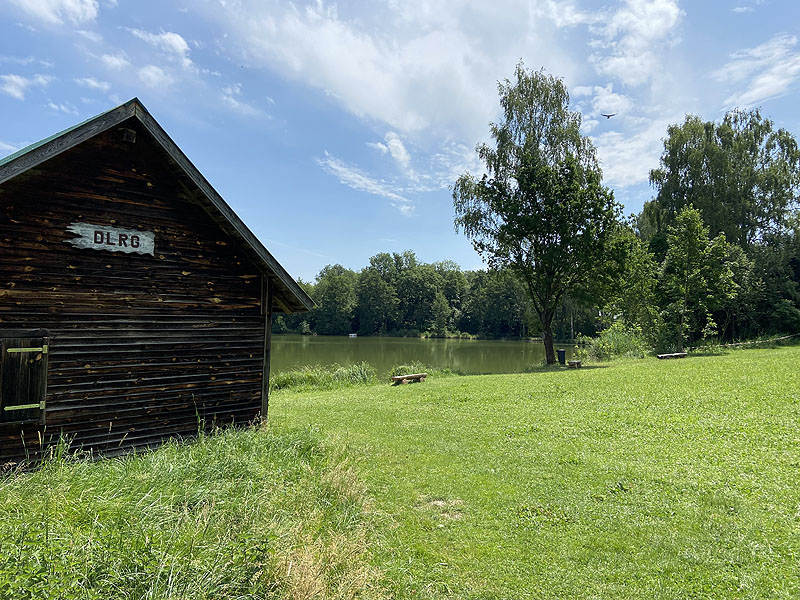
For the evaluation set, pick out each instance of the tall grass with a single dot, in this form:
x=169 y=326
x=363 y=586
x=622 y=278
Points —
x=240 y=514
x=319 y=377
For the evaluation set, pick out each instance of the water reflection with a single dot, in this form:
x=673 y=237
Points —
x=466 y=356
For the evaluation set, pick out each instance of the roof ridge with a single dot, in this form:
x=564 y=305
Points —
x=31 y=147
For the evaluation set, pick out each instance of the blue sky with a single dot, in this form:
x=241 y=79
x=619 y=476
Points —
x=335 y=129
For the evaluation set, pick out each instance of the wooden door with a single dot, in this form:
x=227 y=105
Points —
x=23 y=378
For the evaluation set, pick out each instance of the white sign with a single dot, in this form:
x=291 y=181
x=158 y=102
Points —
x=100 y=237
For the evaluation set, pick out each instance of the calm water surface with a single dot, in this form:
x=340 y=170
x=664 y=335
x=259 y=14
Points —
x=466 y=356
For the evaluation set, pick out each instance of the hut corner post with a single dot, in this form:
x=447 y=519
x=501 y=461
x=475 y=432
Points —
x=268 y=292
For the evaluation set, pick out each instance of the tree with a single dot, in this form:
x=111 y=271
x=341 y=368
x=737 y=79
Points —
x=495 y=305
x=441 y=312
x=635 y=301
x=377 y=302
x=540 y=209
x=696 y=278
x=335 y=295
x=293 y=322
x=741 y=174
x=417 y=287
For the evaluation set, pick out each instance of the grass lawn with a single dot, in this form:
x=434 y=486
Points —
x=635 y=479
x=639 y=479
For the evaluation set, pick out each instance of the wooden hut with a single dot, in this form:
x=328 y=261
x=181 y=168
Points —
x=134 y=303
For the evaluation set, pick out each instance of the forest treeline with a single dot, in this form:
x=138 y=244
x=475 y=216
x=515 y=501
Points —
x=715 y=255
x=396 y=294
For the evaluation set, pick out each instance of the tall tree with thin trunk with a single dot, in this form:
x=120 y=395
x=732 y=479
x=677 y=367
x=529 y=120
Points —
x=540 y=209
x=696 y=278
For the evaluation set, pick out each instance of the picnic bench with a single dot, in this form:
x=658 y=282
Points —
x=574 y=364
x=672 y=355
x=413 y=378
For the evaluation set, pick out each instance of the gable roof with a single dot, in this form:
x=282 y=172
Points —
x=288 y=297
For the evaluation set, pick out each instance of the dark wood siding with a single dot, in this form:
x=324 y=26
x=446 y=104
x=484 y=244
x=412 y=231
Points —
x=141 y=347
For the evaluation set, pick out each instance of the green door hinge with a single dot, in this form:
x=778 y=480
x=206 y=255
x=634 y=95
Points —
x=25 y=406
x=42 y=349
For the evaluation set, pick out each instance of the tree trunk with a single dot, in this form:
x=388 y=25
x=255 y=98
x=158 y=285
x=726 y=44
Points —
x=547 y=336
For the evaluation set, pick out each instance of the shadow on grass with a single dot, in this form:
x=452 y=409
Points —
x=695 y=353
x=560 y=368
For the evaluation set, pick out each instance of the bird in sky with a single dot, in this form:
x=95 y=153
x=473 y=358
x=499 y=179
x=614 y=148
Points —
x=607 y=116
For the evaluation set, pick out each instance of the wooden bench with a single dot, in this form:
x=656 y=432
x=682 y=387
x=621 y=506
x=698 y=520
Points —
x=574 y=364
x=673 y=355
x=413 y=378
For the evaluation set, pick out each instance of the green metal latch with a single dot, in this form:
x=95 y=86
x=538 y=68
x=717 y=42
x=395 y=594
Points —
x=43 y=350
x=25 y=406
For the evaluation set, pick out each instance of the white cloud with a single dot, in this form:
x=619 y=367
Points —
x=423 y=69
x=115 y=62
x=231 y=94
x=396 y=148
x=379 y=147
x=405 y=209
x=17 y=86
x=589 y=125
x=26 y=60
x=601 y=99
x=94 y=84
x=743 y=9
x=92 y=36
x=7 y=148
x=565 y=14
x=427 y=72
x=632 y=41
x=66 y=108
x=358 y=180
x=153 y=76
x=626 y=159
x=768 y=71
x=56 y=12
x=169 y=42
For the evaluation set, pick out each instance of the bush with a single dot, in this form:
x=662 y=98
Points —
x=418 y=367
x=312 y=377
x=618 y=340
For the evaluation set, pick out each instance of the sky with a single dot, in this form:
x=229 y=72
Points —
x=336 y=129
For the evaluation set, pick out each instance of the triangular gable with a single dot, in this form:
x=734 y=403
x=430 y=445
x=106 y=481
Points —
x=288 y=297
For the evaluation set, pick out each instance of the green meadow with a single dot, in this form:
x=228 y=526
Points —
x=628 y=479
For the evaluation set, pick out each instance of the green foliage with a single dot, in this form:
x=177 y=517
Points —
x=696 y=278
x=335 y=295
x=540 y=210
x=377 y=302
x=418 y=367
x=397 y=295
x=618 y=341
x=316 y=377
x=635 y=300
x=741 y=174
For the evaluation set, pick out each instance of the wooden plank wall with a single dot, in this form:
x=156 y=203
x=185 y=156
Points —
x=141 y=347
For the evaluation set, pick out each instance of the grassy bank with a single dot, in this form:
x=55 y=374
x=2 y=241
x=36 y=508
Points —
x=246 y=514
x=635 y=479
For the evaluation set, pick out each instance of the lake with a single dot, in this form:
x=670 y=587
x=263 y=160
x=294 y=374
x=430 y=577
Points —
x=465 y=356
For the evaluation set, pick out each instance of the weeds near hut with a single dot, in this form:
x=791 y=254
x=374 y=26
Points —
x=250 y=513
x=323 y=378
